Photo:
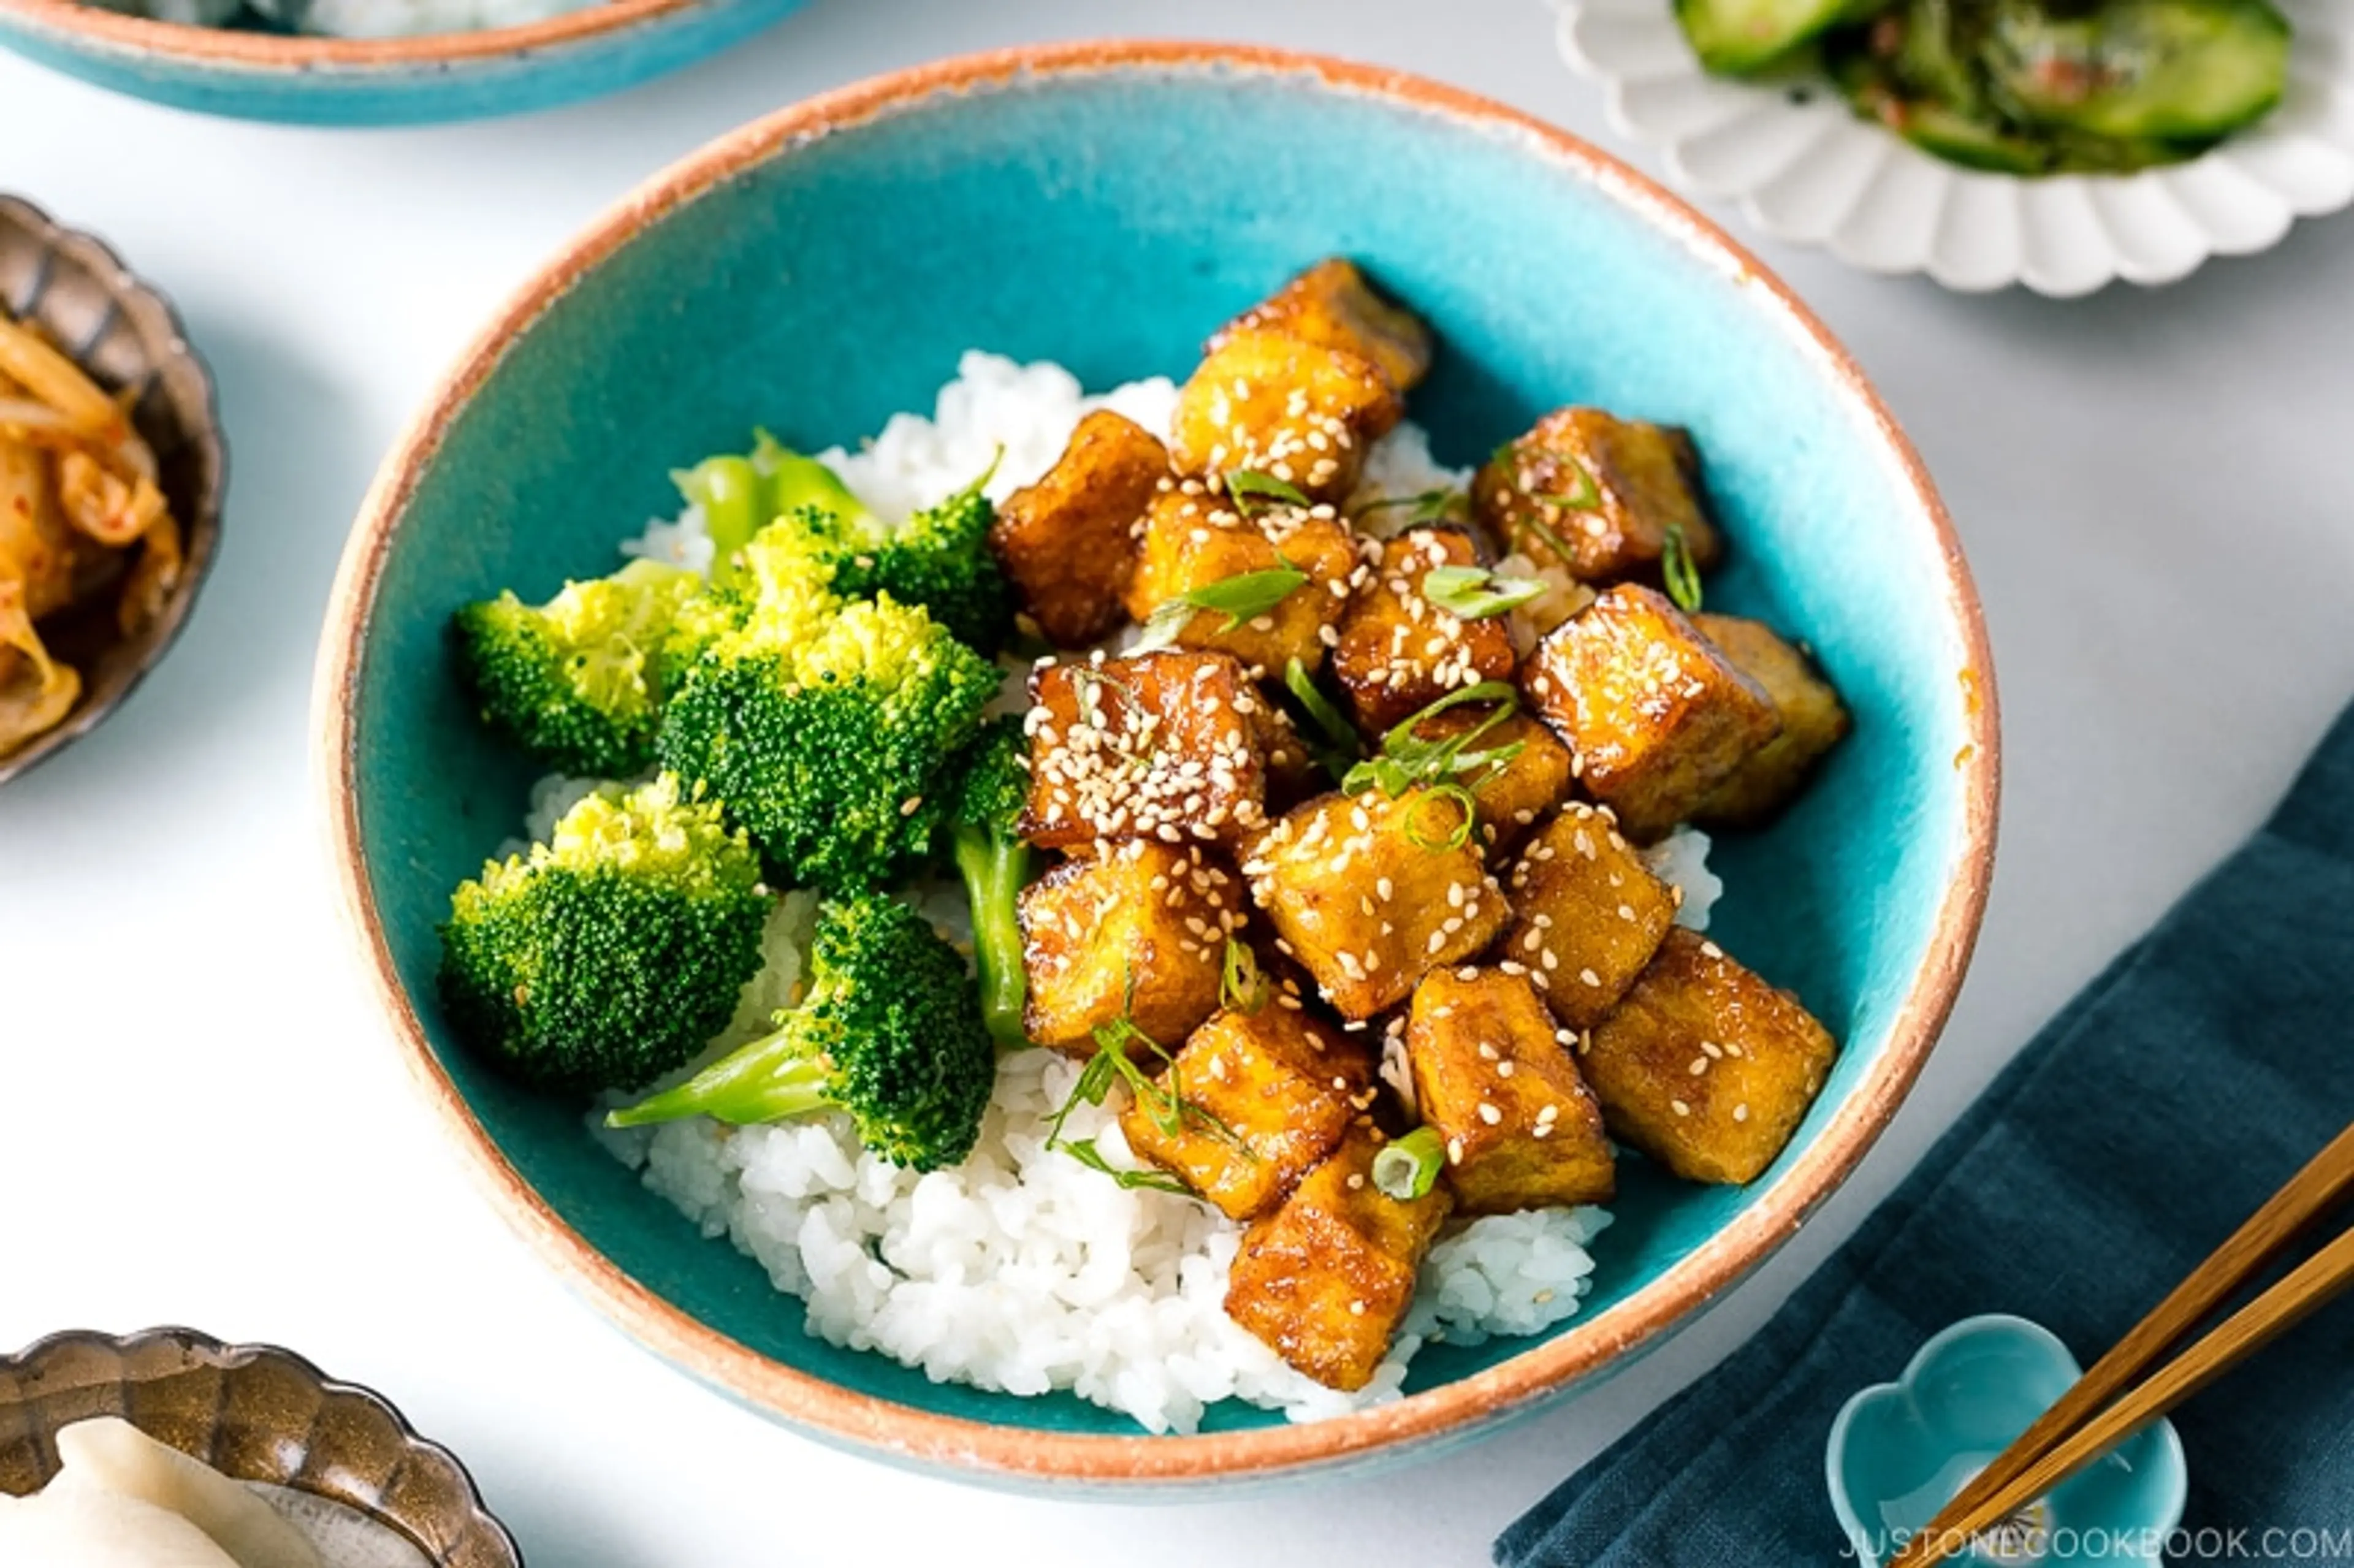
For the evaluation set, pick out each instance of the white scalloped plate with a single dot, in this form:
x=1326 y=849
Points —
x=1811 y=172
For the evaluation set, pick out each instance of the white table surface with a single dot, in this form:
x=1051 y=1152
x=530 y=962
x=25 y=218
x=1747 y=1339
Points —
x=203 y=1120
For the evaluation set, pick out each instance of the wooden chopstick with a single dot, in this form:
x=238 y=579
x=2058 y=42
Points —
x=2238 y=1337
x=2325 y=1179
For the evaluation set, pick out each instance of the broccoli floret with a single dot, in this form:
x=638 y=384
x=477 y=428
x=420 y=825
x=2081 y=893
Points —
x=815 y=529
x=940 y=560
x=995 y=864
x=889 y=1031
x=579 y=681
x=831 y=730
x=613 y=953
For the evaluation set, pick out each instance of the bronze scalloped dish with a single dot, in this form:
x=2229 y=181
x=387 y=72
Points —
x=111 y=480
x=170 y=1449
x=84 y=527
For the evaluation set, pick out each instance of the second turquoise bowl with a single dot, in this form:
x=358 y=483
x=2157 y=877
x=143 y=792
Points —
x=1107 y=206
x=253 y=75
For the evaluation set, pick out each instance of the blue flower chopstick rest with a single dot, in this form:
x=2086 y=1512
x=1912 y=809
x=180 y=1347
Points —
x=1899 y=1451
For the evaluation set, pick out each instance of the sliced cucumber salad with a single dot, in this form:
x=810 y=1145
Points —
x=2027 y=87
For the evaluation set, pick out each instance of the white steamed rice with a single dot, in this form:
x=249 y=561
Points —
x=1022 y=1270
x=355 y=18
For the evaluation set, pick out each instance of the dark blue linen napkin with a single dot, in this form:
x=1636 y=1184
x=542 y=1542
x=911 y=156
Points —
x=2138 y=1129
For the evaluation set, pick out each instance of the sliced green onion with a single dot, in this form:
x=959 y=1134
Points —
x=1406 y=759
x=1242 y=985
x=1474 y=593
x=1167 y=1106
x=1244 y=596
x=1250 y=490
x=1680 y=572
x=1407 y=1167
x=1585 y=498
x=1429 y=506
x=1085 y=1151
x=1341 y=744
x=1461 y=834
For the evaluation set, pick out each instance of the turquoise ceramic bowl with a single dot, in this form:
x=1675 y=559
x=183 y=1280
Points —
x=1899 y=1451
x=392 y=81
x=1106 y=206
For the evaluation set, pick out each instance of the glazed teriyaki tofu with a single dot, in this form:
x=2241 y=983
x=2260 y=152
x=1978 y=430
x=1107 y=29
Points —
x=1656 y=716
x=1196 y=538
x=1368 y=893
x=1704 y=1067
x=1517 y=770
x=1295 y=411
x=1587 y=914
x=1069 y=542
x=1813 y=721
x=1397 y=652
x=1324 y=1279
x=1492 y=1072
x=1135 y=931
x=1166 y=745
x=1597 y=495
x=1332 y=305
x=1266 y=1095
x=1317 y=786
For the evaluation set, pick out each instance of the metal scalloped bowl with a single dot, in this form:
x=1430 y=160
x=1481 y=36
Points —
x=251 y=74
x=125 y=334
x=255 y=1412
x=1106 y=206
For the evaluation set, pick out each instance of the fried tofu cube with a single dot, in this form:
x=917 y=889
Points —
x=1333 y=305
x=1704 y=1067
x=1655 y=715
x=1194 y=538
x=1493 y=1074
x=1587 y=914
x=1260 y=1099
x=1301 y=412
x=1367 y=893
x=1325 y=1279
x=1398 y=652
x=1813 y=721
x=1138 y=931
x=1163 y=745
x=1068 y=542
x=1511 y=792
x=1597 y=496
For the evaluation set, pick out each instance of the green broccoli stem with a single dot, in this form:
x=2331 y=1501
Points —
x=773 y=1078
x=996 y=868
